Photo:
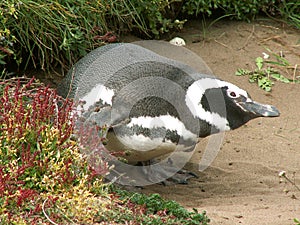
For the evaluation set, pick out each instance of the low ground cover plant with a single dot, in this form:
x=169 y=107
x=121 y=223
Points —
x=46 y=177
x=40 y=164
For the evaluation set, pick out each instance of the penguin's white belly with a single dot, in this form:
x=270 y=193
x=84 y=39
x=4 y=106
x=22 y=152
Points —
x=139 y=148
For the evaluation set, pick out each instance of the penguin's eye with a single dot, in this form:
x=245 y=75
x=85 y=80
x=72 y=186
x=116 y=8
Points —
x=232 y=94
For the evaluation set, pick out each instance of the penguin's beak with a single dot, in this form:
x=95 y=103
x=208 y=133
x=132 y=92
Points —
x=259 y=109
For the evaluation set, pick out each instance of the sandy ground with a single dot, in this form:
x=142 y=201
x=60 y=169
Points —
x=242 y=185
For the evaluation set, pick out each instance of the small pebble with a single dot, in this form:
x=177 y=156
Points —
x=177 y=41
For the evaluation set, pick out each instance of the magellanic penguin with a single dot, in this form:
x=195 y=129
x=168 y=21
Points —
x=154 y=105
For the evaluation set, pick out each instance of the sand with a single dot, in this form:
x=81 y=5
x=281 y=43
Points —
x=242 y=185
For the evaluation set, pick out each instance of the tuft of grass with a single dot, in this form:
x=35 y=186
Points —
x=47 y=34
x=290 y=11
x=55 y=33
x=242 y=10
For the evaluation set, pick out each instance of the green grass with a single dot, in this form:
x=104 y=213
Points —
x=46 y=34
x=55 y=33
x=290 y=11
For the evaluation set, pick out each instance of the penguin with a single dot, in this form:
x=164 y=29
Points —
x=152 y=105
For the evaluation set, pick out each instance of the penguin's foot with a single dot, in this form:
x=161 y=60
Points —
x=181 y=177
x=147 y=173
x=167 y=174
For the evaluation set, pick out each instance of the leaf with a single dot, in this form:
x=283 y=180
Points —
x=268 y=89
x=281 y=61
x=265 y=84
x=2 y=62
x=252 y=78
x=276 y=63
x=259 y=62
x=281 y=78
x=240 y=72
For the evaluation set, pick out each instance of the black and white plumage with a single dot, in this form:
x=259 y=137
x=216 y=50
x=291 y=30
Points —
x=152 y=104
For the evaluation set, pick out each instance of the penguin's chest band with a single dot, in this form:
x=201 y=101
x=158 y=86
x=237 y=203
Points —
x=172 y=126
x=146 y=133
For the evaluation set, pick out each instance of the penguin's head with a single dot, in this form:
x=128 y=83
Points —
x=224 y=106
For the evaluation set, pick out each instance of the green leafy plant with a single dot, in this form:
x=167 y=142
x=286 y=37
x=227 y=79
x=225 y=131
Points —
x=159 y=16
x=159 y=210
x=265 y=73
x=259 y=75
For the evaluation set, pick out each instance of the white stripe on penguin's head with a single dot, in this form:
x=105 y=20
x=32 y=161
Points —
x=195 y=93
